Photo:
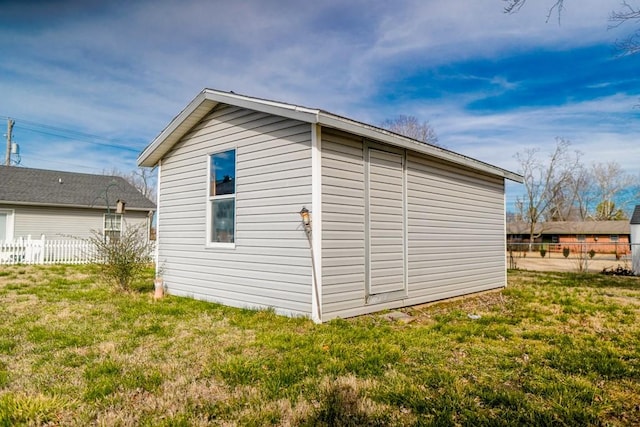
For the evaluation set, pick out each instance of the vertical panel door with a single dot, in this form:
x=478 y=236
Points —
x=386 y=222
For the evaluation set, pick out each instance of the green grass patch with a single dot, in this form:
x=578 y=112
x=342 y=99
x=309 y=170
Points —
x=551 y=349
x=21 y=409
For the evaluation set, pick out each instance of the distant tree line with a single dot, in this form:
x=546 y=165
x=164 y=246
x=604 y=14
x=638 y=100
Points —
x=560 y=187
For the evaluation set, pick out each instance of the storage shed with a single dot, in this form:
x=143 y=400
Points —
x=393 y=221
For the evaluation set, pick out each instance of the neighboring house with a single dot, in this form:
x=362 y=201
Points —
x=67 y=205
x=601 y=236
x=634 y=224
x=394 y=222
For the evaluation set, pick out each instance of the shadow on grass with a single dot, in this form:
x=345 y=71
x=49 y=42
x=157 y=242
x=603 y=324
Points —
x=340 y=405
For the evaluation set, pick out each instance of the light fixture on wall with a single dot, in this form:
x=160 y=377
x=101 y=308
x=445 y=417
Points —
x=306 y=219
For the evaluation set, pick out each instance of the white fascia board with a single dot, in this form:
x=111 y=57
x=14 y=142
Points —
x=290 y=111
x=175 y=130
x=74 y=206
x=202 y=105
x=378 y=134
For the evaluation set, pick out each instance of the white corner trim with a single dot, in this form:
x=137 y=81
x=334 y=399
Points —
x=316 y=218
x=157 y=249
x=504 y=233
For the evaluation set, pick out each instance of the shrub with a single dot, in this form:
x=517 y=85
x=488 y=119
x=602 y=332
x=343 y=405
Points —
x=566 y=252
x=543 y=252
x=121 y=260
x=592 y=253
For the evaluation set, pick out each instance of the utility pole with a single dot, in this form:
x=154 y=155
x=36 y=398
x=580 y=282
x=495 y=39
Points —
x=9 y=129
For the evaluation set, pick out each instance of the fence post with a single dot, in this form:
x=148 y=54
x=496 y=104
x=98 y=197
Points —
x=28 y=251
x=41 y=256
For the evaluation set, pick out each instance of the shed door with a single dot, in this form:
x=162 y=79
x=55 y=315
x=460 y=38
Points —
x=386 y=236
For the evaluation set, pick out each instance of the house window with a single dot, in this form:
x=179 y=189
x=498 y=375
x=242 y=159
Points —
x=581 y=238
x=222 y=198
x=112 y=226
x=6 y=225
x=614 y=238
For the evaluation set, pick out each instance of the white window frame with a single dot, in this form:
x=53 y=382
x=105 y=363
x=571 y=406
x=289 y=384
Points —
x=111 y=230
x=10 y=223
x=209 y=228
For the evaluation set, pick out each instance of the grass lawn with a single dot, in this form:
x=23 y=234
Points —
x=551 y=349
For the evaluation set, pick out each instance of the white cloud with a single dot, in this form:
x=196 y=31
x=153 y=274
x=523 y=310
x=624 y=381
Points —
x=125 y=70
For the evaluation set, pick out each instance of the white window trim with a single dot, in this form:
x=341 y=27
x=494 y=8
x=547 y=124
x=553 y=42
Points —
x=209 y=199
x=10 y=223
x=104 y=223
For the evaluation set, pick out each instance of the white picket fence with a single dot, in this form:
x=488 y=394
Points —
x=43 y=251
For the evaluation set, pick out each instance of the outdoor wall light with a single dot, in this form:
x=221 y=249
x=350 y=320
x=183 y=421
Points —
x=304 y=213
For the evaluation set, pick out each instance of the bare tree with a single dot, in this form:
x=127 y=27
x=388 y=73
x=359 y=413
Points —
x=582 y=188
x=631 y=44
x=142 y=179
x=411 y=127
x=544 y=181
x=515 y=5
x=627 y=12
x=610 y=181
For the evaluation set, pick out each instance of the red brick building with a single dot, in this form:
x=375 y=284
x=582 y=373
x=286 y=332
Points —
x=611 y=237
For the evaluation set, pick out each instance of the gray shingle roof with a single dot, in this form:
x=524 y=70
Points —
x=635 y=218
x=55 y=188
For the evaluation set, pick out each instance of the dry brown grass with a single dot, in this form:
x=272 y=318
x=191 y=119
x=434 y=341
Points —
x=551 y=348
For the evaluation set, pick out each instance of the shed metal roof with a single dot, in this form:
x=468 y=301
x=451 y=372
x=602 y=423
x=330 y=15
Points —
x=209 y=98
x=41 y=187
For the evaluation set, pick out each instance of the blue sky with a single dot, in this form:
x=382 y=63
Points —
x=106 y=77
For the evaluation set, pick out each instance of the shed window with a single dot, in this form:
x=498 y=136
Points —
x=614 y=238
x=112 y=226
x=222 y=197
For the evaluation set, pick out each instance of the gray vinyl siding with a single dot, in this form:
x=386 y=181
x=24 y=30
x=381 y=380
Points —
x=386 y=222
x=343 y=231
x=270 y=266
x=455 y=230
x=58 y=223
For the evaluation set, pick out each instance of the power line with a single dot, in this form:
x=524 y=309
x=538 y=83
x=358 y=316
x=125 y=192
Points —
x=69 y=134
x=66 y=163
